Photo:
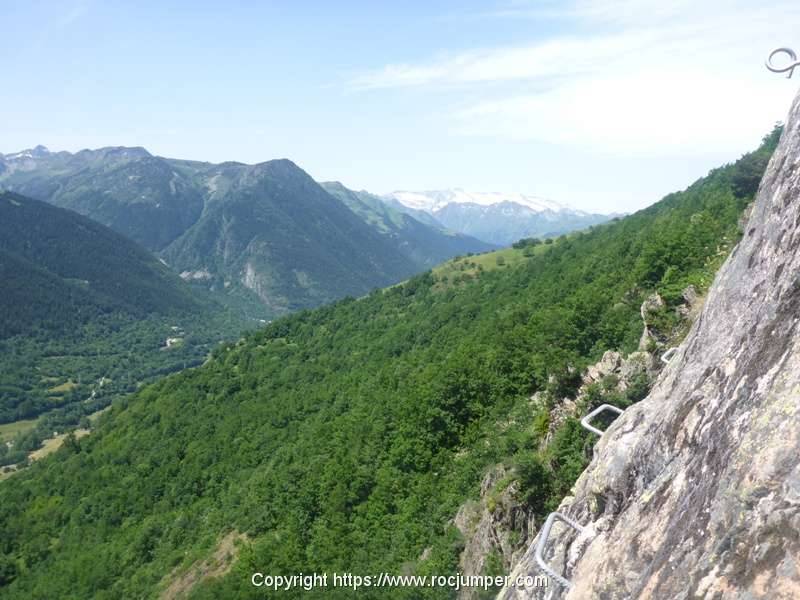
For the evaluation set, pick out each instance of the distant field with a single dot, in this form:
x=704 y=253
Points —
x=466 y=267
x=64 y=387
x=52 y=444
x=6 y=472
x=9 y=430
x=49 y=445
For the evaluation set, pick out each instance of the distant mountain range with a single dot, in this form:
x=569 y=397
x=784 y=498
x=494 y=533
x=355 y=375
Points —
x=422 y=240
x=493 y=217
x=267 y=236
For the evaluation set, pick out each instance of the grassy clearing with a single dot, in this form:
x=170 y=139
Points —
x=463 y=268
x=62 y=388
x=9 y=430
x=6 y=472
x=52 y=444
x=49 y=445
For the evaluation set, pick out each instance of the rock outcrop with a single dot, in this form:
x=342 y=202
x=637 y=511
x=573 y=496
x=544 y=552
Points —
x=613 y=371
x=695 y=491
x=497 y=527
x=651 y=338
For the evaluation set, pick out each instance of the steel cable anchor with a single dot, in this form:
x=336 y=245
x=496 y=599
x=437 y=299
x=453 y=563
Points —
x=785 y=68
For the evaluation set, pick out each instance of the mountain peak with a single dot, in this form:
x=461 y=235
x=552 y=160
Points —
x=278 y=165
x=35 y=152
x=40 y=151
x=122 y=152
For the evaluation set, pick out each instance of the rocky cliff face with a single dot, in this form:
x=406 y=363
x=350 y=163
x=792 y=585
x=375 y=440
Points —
x=695 y=491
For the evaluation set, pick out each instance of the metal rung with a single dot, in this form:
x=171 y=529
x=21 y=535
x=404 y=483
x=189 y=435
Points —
x=585 y=420
x=543 y=535
x=667 y=356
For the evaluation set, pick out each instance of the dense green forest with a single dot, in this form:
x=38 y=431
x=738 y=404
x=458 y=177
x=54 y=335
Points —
x=60 y=270
x=62 y=379
x=345 y=438
x=85 y=315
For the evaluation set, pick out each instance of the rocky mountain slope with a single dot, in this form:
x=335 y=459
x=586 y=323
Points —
x=495 y=218
x=127 y=189
x=695 y=491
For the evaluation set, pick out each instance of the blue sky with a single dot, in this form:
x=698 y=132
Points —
x=605 y=106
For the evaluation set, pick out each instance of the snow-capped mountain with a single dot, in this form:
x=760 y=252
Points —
x=436 y=200
x=37 y=152
x=495 y=217
x=21 y=161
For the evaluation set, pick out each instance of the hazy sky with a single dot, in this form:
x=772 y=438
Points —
x=606 y=106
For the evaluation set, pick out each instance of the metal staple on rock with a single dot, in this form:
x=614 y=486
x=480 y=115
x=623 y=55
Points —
x=665 y=358
x=603 y=407
x=545 y=533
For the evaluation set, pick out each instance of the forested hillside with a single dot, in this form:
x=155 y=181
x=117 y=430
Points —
x=346 y=438
x=82 y=304
x=61 y=269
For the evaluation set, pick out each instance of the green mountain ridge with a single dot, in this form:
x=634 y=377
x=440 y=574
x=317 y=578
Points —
x=346 y=438
x=278 y=234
